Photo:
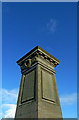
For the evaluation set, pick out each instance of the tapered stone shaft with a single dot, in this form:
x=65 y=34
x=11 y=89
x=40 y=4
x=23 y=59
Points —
x=38 y=94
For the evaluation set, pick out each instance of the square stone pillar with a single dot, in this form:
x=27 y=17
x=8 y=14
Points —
x=38 y=94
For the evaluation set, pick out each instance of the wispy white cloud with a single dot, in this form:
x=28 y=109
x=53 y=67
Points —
x=9 y=100
x=9 y=96
x=10 y=110
x=69 y=99
x=0 y=113
x=52 y=25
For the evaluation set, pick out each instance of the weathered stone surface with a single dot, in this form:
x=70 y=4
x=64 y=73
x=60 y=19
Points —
x=28 y=88
x=48 y=90
x=38 y=95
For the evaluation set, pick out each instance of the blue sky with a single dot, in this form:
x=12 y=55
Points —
x=52 y=26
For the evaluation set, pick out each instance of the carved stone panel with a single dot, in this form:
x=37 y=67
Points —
x=28 y=88
x=48 y=91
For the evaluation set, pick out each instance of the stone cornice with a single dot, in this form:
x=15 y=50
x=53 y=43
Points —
x=31 y=57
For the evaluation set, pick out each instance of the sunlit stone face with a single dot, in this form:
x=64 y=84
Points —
x=28 y=87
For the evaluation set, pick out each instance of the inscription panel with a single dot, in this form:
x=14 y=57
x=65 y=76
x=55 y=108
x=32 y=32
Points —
x=28 y=87
x=48 y=91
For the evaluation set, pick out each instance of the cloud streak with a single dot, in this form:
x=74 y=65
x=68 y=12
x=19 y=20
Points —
x=52 y=25
x=10 y=110
x=9 y=96
x=9 y=100
x=69 y=99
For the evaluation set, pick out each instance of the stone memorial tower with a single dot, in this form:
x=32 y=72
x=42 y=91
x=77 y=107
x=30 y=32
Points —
x=38 y=94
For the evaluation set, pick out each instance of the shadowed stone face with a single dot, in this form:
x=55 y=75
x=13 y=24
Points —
x=38 y=94
x=48 y=86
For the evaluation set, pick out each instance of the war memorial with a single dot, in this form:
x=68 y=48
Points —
x=38 y=95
